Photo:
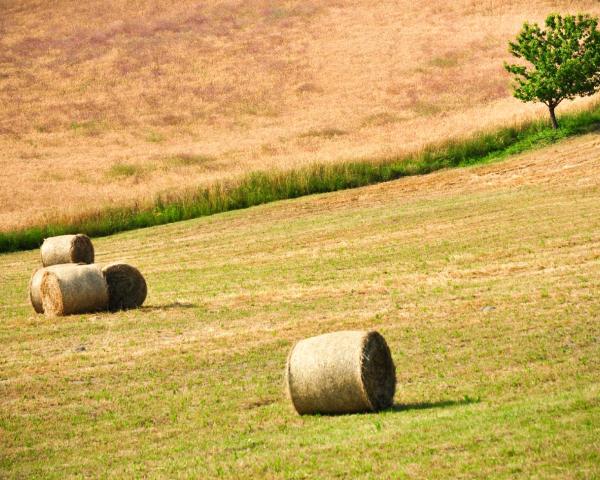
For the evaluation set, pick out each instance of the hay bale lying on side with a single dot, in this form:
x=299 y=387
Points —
x=35 y=284
x=126 y=286
x=341 y=372
x=70 y=288
x=67 y=249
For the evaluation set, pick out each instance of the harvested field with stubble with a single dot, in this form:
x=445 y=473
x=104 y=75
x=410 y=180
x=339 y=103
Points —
x=110 y=103
x=484 y=282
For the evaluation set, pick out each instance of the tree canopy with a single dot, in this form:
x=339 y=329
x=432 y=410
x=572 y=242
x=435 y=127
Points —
x=564 y=60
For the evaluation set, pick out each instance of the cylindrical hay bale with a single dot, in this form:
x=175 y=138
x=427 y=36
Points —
x=35 y=295
x=35 y=285
x=341 y=372
x=126 y=286
x=70 y=288
x=67 y=249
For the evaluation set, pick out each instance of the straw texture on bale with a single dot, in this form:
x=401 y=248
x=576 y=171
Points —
x=35 y=295
x=35 y=285
x=341 y=372
x=70 y=288
x=126 y=286
x=67 y=249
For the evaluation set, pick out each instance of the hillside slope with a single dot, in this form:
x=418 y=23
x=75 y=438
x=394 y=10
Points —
x=110 y=102
x=485 y=282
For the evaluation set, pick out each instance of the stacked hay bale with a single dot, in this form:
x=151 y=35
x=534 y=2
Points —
x=341 y=372
x=69 y=282
x=67 y=249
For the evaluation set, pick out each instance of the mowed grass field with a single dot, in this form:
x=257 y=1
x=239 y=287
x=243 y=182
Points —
x=485 y=282
x=110 y=103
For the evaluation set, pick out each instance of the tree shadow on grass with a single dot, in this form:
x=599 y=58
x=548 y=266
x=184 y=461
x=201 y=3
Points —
x=594 y=127
x=400 y=407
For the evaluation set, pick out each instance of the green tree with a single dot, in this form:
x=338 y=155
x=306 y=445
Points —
x=565 y=61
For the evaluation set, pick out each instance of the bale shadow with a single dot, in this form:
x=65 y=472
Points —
x=401 y=407
x=169 y=306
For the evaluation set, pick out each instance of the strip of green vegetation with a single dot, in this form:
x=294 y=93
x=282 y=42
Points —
x=262 y=187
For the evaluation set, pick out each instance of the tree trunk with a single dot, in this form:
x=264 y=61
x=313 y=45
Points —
x=553 y=116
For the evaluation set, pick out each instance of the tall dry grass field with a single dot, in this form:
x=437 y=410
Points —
x=112 y=102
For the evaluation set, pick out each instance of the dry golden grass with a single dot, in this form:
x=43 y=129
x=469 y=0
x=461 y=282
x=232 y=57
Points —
x=98 y=98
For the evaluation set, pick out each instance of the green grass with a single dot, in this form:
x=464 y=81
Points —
x=448 y=61
x=155 y=137
x=188 y=159
x=90 y=128
x=262 y=187
x=426 y=109
x=191 y=385
x=323 y=133
x=380 y=119
x=124 y=170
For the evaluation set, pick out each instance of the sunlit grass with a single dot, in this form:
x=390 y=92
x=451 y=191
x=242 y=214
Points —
x=484 y=281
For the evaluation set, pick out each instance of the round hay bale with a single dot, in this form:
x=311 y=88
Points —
x=35 y=296
x=70 y=288
x=35 y=285
x=341 y=372
x=67 y=249
x=126 y=286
